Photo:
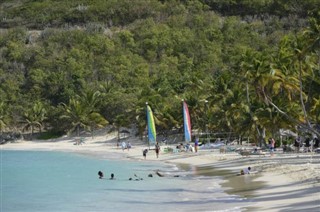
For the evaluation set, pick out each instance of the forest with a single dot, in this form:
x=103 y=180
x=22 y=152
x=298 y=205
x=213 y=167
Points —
x=246 y=67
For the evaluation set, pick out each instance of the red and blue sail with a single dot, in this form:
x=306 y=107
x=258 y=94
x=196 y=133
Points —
x=151 y=126
x=186 y=122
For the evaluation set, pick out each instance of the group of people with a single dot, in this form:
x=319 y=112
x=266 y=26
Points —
x=156 y=148
x=136 y=178
x=187 y=148
x=101 y=175
x=308 y=143
x=125 y=145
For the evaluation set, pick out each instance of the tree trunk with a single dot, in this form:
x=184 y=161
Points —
x=251 y=115
x=292 y=119
x=118 y=129
x=301 y=96
x=31 y=132
x=78 y=130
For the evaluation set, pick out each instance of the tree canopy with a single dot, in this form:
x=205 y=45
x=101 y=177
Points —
x=86 y=64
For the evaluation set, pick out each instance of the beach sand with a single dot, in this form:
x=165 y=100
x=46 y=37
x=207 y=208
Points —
x=282 y=182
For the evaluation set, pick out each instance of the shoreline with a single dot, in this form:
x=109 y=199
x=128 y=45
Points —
x=283 y=182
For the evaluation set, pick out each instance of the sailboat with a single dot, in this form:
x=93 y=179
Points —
x=186 y=123
x=152 y=136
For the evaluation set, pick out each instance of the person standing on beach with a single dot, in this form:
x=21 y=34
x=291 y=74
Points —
x=157 y=148
x=123 y=145
x=129 y=146
x=316 y=142
x=297 y=144
x=307 y=141
x=272 y=143
x=196 y=144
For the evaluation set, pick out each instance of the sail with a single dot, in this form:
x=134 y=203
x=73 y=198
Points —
x=151 y=126
x=186 y=122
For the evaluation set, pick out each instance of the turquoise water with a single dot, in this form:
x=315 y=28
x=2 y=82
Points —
x=57 y=181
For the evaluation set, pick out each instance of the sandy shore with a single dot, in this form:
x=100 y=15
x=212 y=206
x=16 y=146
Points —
x=283 y=182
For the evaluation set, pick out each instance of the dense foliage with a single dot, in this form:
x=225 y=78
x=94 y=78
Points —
x=243 y=66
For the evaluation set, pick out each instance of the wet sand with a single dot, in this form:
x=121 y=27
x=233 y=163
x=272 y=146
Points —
x=281 y=183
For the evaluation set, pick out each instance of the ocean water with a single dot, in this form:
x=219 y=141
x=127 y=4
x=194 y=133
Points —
x=58 y=181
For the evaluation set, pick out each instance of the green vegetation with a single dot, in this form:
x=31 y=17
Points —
x=85 y=64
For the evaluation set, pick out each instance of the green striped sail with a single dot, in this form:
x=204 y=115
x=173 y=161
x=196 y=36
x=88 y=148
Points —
x=151 y=126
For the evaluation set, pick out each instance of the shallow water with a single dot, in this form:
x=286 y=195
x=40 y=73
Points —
x=57 y=181
x=243 y=185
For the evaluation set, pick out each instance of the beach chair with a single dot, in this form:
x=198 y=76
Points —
x=167 y=150
x=175 y=150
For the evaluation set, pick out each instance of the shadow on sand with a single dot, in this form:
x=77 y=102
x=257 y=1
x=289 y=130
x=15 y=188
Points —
x=246 y=186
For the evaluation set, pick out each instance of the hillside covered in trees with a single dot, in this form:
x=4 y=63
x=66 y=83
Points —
x=250 y=67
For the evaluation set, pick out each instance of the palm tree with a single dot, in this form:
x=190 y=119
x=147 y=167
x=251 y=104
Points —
x=91 y=99
x=34 y=117
x=298 y=63
x=316 y=109
x=259 y=81
x=96 y=120
x=76 y=113
x=80 y=115
x=121 y=120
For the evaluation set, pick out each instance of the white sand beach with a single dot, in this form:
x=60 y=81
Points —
x=291 y=181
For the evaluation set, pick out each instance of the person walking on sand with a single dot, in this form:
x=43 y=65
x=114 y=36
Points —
x=157 y=148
